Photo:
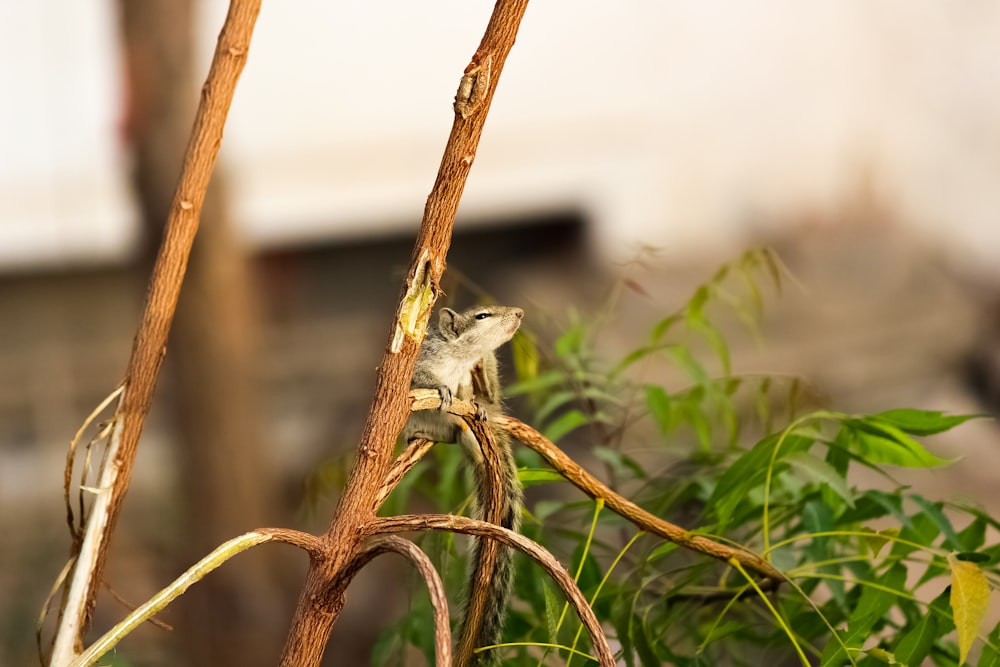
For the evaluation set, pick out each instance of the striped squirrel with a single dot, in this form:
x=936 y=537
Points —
x=458 y=359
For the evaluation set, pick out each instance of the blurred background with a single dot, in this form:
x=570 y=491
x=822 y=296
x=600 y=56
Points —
x=860 y=140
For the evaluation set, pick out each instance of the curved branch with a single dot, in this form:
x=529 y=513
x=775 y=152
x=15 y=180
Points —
x=403 y=464
x=307 y=542
x=461 y=524
x=424 y=399
x=594 y=488
x=435 y=588
x=195 y=573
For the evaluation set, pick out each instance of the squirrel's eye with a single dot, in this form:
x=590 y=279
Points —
x=482 y=316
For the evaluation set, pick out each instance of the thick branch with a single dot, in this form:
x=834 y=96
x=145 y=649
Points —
x=320 y=601
x=461 y=524
x=150 y=341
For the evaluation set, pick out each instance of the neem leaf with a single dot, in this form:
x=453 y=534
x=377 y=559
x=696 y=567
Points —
x=877 y=540
x=532 y=476
x=922 y=422
x=973 y=557
x=970 y=598
x=821 y=471
x=879 y=441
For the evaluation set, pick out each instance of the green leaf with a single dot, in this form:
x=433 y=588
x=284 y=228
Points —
x=553 y=607
x=973 y=536
x=934 y=513
x=556 y=400
x=658 y=403
x=531 y=477
x=682 y=357
x=662 y=550
x=571 y=342
x=564 y=424
x=970 y=598
x=696 y=321
x=922 y=422
x=663 y=326
x=525 y=353
x=872 y=606
x=537 y=383
x=545 y=508
x=875 y=540
x=881 y=442
x=749 y=471
x=820 y=471
x=620 y=463
x=990 y=657
x=973 y=557
x=916 y=644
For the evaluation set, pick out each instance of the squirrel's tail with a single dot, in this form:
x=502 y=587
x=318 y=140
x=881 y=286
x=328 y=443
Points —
x=500 y=500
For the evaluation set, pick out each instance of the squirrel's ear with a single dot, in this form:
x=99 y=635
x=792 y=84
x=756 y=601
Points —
x=446 y=323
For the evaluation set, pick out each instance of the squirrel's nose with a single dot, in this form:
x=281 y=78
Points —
x=518 y=313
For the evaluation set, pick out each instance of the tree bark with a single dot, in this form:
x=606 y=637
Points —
x=321 y=600
x=225 y=485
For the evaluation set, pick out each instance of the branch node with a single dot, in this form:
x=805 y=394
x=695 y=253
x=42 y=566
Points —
x=473 y=87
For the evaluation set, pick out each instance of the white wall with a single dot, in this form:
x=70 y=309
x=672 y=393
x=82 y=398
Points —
x=680 y=123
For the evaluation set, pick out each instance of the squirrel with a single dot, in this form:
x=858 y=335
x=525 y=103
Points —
x=458 y=358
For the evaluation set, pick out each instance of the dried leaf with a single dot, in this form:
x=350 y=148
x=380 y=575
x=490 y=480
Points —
x=970 y=597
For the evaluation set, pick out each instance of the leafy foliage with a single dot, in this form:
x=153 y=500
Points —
x=875 y=576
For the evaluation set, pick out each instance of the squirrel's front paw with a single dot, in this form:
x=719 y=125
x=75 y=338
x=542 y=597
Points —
x=481 y=413
x=446 y=398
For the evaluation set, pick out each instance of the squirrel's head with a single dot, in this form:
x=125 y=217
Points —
x=483 y=328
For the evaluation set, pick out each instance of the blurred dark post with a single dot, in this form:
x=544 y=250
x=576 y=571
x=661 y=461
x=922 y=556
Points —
x=235 y=616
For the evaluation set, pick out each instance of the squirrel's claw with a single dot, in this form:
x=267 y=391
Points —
x=481 y=413
x=446 y=398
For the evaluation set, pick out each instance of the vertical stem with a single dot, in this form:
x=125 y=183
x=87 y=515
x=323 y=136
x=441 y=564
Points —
x=320 y=602
x=149 y=346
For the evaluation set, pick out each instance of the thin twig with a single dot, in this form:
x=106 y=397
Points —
x=71 y=459
x=482 y=529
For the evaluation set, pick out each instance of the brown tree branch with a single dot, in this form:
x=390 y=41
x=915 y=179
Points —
x=483 y=529
x=594 y=488
x=149 y=346
x=410 y=457
x=321 y=600
x=424 y=399
x=423 y=564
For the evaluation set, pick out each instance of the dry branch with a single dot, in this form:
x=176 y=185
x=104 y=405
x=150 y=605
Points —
x=194 y=574
x=482 y=529
x=410 y=457
x=149 y=346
